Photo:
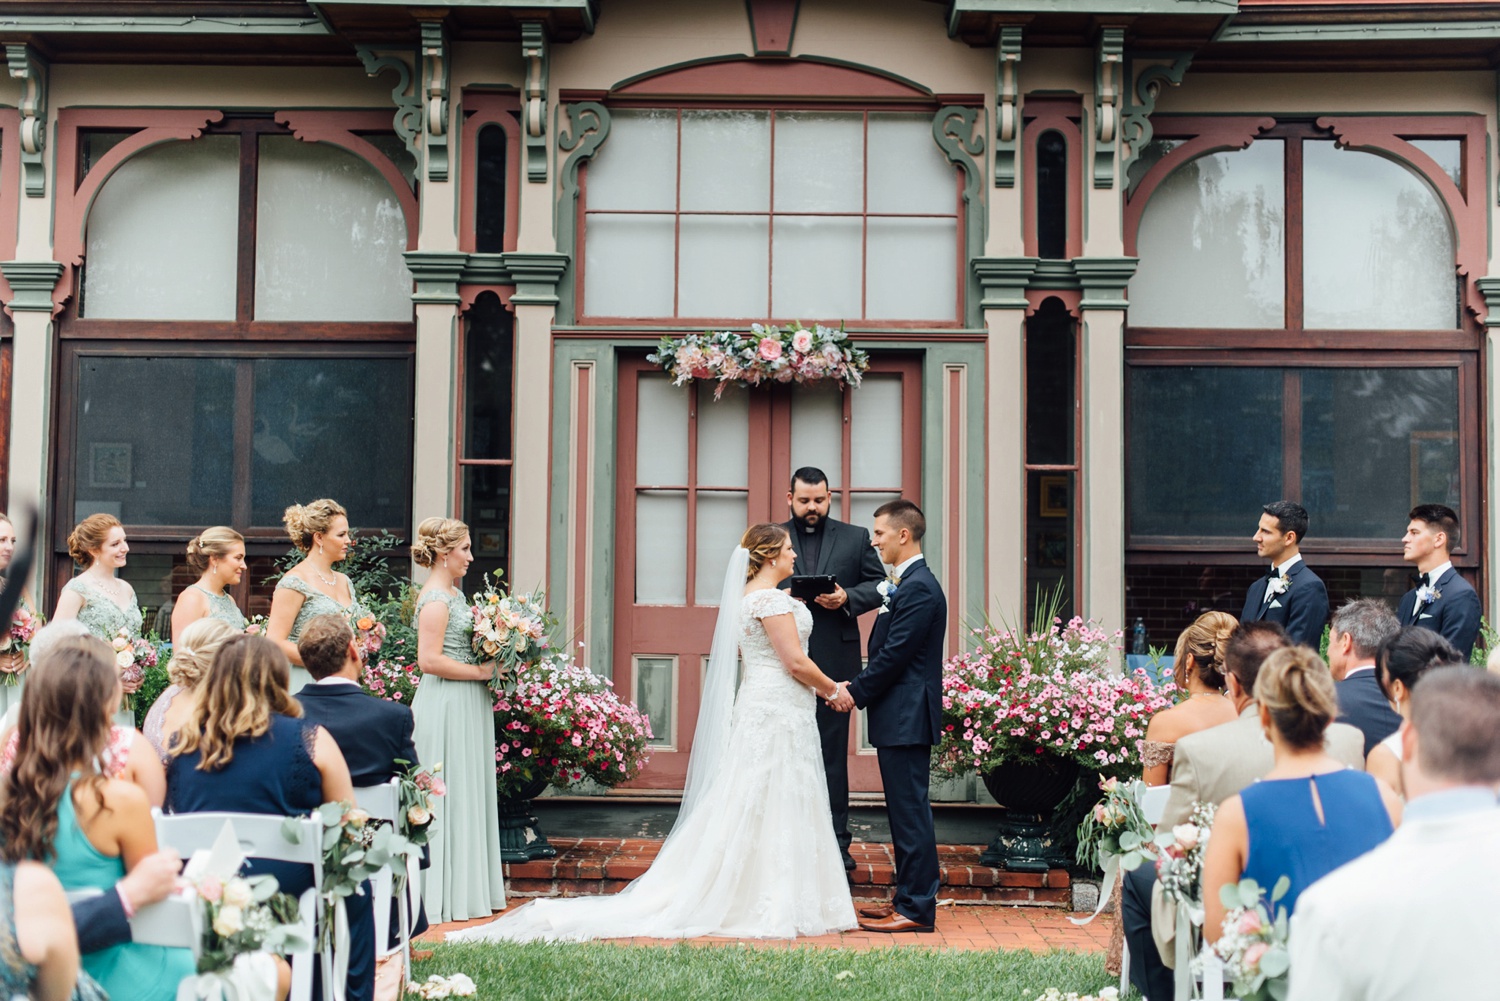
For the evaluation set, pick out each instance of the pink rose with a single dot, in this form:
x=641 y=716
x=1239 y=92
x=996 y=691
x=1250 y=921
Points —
x=802 y=341
x=210 y=889
x=770 y=348
x=1249 y=923
x=1253 y=954
x=439 y=787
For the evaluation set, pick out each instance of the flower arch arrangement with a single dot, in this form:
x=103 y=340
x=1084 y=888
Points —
x=792 y=353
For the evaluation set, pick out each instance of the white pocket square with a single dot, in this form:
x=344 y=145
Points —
x=1424 y=615
x=1275 y=603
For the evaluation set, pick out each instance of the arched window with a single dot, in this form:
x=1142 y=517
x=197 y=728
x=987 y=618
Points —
x=489 y=191
x=1052 y=195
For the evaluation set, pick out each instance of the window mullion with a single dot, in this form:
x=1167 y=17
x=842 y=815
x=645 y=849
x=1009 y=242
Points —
x=244 y=302
x=1292 y=191
x=244 y=440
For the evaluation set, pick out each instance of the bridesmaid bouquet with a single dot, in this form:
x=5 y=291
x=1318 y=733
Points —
x=369 y=633
x=1253 y=945
x=16 y=639
x=133 y=655
x=255 y=626
x=510 y=628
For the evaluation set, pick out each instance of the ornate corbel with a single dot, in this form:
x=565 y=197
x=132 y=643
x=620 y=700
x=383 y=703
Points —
x=408 y=117
x=534 y=98
x=435 y=98
x=589 y=126
x=1007 y=114
x=1108 y=77
x=1136 y=126
x=30 y=68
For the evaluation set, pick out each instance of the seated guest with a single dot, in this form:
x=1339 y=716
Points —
x=1359 y=628
x=245 y=749
x=38 y=947
x=194 y=650
x=1311 y=813
x=90 y=828
x=1403 y=659
x=1413 y=918
x=1199 y=676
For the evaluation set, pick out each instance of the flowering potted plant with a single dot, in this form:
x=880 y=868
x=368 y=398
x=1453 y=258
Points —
x=766 y=354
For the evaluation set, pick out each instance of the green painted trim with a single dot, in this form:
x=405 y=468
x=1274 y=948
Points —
x=437 y=273
x=1488 y=287
x=436 y=62
x=536 y=276
x=959 y=133
x=1109 y=99
x=1367 y=31
x=867 y=68
x=1007 y=104
x=188 y=24
x=408 y=118
x=589 y=123
x=1103 y=280
x=485 y=269
x=32 y=282
x=27 y=65
x=1140 y=103
x=1004 y=280
x=536 y=56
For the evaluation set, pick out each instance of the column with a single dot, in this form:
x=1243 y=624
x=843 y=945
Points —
x=433 y=437
x=1490 y=485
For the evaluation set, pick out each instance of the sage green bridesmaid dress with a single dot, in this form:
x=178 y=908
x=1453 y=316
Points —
x=223 y=608
x=455 y=726
x=314 y=604
x=104 y=618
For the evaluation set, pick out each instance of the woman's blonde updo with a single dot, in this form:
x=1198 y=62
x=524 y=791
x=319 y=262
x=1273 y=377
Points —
x=88 y=536
x=763 y=541
x=211 y=544
x=436 y=538
x=1297 y=688
x=303 y=521
x=1205 y=639
x=195 y=650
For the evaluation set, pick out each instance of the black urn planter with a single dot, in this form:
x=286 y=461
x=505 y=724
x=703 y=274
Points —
x=1029 y=792
x=520 y=839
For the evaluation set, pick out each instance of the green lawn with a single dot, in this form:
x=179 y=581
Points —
x=603 y=972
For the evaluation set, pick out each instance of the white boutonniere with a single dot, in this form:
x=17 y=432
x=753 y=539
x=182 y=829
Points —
x=887 y=590
x=1279 y=585
x=1427 y=594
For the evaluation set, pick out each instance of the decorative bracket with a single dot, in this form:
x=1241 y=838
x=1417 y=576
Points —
x=589 y=124
x=1108 y=74
x=1007 y=114
x=435 y=98
x=26 y=65
x=408 y=117
x=534 y=98
x=1136 y=126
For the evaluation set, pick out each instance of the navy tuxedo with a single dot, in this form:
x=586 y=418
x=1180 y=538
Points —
x=1363 y=705
x=372 y=733
x=846 y=554
x=901 y=691
x=1453 y=614
x=1302 y=609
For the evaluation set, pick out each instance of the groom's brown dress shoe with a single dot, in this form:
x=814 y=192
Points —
x=895 y=923
x=877 y=911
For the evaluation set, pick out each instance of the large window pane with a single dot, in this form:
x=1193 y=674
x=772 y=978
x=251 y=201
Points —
x=1376 y=442
x=722 y=520
x=907 y=170
x=164 y=457
x=1211 y=244
x=723 y=436
x=1205 y=449
x=724 y=266
x=661 y=433
x=912 y=270
x=329 y=237
x=815 y=267
x=629 y=263
x=486 y=507
x=333 y=427
x=1378 y=246
x=489 y=358
x=637 y=168
x=661 y=547
x=726 y=161
x=162 y=239
x=820 y=160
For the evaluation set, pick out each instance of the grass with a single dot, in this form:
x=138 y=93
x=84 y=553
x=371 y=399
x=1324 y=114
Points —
x=605 y=972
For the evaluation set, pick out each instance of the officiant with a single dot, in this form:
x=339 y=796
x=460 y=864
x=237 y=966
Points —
x=826 y=547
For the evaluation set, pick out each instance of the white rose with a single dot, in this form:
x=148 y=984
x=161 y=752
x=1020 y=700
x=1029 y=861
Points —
x=461 y=985
x=120 y=643
x=1187 y=836
x=229 y=921
x=124 y=659
x=237 y=893
x=417 y=816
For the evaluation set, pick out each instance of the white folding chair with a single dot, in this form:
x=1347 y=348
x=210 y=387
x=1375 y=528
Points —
x=383 y=802
x=260 y=836
x=176 y=922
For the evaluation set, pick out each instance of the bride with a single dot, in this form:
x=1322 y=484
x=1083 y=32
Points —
x=752 y=854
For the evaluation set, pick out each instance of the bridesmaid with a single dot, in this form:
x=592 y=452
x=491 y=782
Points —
x=16 y=661
x=217 y=555
x=320 y=530
x=454 y=713
x=100 y=600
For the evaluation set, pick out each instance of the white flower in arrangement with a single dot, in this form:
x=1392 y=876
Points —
x=237 y=893
x=120 y=643
x=124 y=658
x=417 y=816
x=1187 y=836
x=229 y=921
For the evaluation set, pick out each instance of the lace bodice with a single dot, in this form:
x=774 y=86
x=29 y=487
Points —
x=223 y=608
x=101 y=615
x=458 y=636
x=316 y=603
x=764 y=671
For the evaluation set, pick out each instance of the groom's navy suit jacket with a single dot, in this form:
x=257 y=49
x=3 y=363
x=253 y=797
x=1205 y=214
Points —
x=902 y=684
x=1454 y=614
x=1302 y=609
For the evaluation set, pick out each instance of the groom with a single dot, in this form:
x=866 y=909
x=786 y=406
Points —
x=901 y=686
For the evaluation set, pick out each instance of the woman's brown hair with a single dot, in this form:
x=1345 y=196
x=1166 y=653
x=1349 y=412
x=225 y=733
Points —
x=211 y=544
x=1296 y=687
x=244 y=687
x=1205 y=639
x=436 y=537
x=303 y=521
x=71 y=692
x=88 y=536
x=764 y=541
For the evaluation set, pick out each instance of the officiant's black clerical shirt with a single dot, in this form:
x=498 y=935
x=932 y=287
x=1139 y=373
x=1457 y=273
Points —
x=812 y=543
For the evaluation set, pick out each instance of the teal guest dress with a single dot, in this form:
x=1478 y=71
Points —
x=455 y=726
x=104 y=618
x=129 y=972
x=314 y=604
x=16 y=975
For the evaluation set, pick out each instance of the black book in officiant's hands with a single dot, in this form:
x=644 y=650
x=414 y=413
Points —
x=810 y=586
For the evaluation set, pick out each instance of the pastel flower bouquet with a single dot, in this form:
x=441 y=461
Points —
x=133 y=656
x=510 y=629
x=369 y=633
x=17 y=639
x=1253 y=945
x=1179 y=867
x=765 y=354
x=1115 y=829
x=419 y=787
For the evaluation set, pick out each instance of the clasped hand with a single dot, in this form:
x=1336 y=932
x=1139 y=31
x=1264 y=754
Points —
x=841 y=700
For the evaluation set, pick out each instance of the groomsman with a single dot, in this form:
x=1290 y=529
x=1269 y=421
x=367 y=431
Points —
x=1442 y=600
x=841 y=550
x=1291 y=595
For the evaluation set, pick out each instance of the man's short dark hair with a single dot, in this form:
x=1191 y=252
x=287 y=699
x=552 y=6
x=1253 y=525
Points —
x=811 y=475
x=1369 y=622
x=1290 y=517
x=902 y=513
x=1439 y=516
x=324 y=645
x=1456 y=713
x=1248 y=647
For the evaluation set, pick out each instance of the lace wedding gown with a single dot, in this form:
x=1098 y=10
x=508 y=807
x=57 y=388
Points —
x=757 y=858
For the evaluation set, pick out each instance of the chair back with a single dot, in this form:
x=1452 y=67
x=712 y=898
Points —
x=1153 y=800
x=382 y=802
x=260 y=836
x=176 y=922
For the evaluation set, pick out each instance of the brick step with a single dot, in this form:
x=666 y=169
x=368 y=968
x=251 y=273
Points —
x=587 y=866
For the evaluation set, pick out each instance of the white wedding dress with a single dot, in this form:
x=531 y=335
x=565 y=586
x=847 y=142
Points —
x=756 y=857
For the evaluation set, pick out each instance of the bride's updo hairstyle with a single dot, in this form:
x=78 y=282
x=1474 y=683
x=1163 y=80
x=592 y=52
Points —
x=436 y=538
x=303 y=521
x=1296 y=687
x=763 y=541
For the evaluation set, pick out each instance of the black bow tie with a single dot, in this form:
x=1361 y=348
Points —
x=1420 y=580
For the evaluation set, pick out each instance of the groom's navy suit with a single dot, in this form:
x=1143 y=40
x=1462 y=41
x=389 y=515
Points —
x=1453 y=614
x=1302 y=609
x=901 y=688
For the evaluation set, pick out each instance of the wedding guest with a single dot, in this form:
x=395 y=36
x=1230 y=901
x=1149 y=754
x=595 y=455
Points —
x=15 y=661
x=826 y=546
x=1442 y=600
x=217 y=556
x=102 y=601
x=1360 y=627
x=1198 y=672
x=320 y=531
x=38 y=946
x=1404 y=659
x=1291 y=595
x=1414 y=917
x=192 y=652
x=1310 y=814
x=454 y=712
x=91 y=829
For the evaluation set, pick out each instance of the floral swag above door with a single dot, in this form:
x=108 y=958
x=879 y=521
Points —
x=763 y=354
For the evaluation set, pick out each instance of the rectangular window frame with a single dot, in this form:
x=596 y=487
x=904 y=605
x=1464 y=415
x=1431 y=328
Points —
x=657 y=744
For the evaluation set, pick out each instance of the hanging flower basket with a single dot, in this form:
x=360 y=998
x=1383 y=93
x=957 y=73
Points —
x=764 y=354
